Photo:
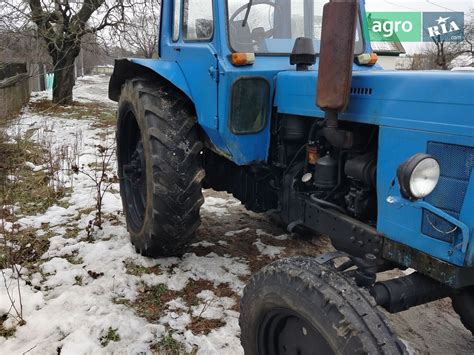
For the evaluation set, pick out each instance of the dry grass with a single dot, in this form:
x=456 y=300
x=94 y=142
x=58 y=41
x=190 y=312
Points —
x=6 y=332
x=138 y=270
x=168 y=346
x=29 y=190
x=103 y=115
x=24 y=248
x=151 y=303
x=204 y=326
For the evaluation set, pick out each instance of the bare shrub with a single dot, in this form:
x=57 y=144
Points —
x=102 y=174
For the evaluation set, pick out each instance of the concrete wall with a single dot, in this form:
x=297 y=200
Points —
x=14 y=93
x=388 y=62
x=102 y=69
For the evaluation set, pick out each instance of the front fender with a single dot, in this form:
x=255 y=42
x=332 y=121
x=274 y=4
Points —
x=129 y=68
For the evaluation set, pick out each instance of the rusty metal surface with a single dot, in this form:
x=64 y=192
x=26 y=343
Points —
x=336 y=54
x=439 y=270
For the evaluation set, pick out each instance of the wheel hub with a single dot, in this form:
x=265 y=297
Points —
x=134 y=171
x=284 y=332
x=134 y=174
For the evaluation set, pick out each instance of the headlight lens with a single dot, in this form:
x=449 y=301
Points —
x=418 y=176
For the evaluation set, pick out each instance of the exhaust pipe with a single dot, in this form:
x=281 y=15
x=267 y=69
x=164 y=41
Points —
x=405 y=292
x=335 y=66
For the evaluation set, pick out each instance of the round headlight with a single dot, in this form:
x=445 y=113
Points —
x=418 y=176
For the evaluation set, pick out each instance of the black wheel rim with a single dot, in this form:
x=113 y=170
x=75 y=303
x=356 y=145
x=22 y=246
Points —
x=133 y=169
x=282 y=331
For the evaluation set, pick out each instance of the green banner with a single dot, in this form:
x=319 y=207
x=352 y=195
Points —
x=395 y=26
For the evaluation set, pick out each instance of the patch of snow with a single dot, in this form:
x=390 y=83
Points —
x=261 y=233
x=234 y=233
x=93 y=88
x=268 y=250
x=224 y=340
x=219 y=206
x=177 y=303
x=176 y=320
x=204 y=244
x=70 y=304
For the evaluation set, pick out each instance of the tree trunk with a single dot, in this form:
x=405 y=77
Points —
x=64 y=77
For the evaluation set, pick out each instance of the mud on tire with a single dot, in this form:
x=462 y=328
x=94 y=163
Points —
x=298 y=306
x=159 y=166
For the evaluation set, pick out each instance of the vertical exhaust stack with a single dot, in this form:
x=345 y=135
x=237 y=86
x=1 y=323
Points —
x=335 y=66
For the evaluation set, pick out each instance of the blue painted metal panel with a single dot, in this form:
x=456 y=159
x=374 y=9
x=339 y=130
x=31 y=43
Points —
x=413 y=109
x=248 y=148
x=400 y=219
x=167 y=69
x=432 y=101
x=467 y=215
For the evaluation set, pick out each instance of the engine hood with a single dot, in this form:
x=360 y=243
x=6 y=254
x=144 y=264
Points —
x=430 y=101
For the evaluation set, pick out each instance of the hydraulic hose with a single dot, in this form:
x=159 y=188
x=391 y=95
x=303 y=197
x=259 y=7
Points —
x=328 y=204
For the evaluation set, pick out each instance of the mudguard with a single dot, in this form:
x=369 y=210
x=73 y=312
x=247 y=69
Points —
x=133 y=67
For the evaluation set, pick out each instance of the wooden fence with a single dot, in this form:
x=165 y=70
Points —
x=14 y=89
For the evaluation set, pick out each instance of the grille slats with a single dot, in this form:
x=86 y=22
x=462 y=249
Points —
x=456 y=163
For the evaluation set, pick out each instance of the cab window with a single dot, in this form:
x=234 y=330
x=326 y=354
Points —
x=176 y=19
x=198 y=22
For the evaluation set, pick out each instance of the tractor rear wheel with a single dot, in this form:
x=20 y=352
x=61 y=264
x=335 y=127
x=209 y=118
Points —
x=297 y=306
x=463 y=304
x=159 y=166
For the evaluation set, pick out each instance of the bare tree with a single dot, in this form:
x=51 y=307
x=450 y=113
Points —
x=139 y=31
x=441 y=53
x=63 y=27
x=63 y=24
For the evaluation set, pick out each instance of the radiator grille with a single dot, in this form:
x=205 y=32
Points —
x=456 y=164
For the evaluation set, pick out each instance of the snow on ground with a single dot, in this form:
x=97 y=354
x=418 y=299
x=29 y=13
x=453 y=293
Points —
x=87 y=286
x=72 y=301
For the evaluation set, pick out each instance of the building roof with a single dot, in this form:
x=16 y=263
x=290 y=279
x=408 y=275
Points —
x=383 y=44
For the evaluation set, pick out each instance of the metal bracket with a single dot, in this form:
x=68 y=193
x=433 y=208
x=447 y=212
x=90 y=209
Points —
x=326 y=257
x=424 y=205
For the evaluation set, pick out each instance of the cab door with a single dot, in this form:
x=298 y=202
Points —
x=194 y=45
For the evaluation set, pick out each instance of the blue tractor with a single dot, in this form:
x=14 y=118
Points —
x=281 y=104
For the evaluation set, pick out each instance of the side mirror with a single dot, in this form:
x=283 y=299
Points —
x=337 y=54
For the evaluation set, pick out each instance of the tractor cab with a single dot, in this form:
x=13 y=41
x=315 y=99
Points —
x=225 y=55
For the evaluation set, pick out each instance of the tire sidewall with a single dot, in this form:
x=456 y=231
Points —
x=130 y=101
x=274 y=296
x=342 y=313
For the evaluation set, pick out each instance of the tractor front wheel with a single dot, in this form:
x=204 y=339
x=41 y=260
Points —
x=159 y=166
x=297 y=306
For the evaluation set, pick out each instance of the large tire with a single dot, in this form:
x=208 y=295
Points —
x=463 y=304
x=297 y=306
x=159 y=166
